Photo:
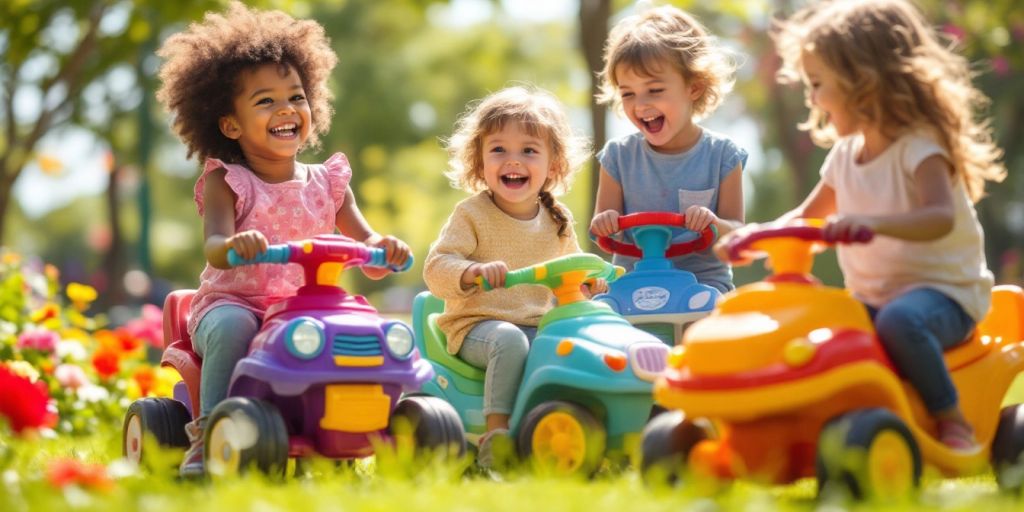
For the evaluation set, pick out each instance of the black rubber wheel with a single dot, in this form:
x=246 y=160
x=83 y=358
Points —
x=161 y=419
x=562 y=438
x=435 y=426
x=666 y=444
x=241 y=433
x=1008 y=449
x=868 y=454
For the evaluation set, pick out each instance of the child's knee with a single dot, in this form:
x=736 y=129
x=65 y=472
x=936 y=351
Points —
x=512 y=344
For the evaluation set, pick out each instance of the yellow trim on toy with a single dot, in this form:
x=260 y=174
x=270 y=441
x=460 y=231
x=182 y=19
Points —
x=307 y=246
x=559 y=442
x=540 y=272
x=225 y=458
x=355 y=408
x=361 y=361
x=798 y=352
x=677 y=357
x=890 y=466
x=327 y=273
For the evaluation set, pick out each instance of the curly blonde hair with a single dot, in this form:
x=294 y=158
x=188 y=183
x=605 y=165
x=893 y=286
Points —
x=895 y=73
x=647 y=41
x=200 y=74
x=541 y=115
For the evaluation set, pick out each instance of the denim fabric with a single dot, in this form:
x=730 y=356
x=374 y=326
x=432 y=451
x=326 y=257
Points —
x=915 y=328
x=222 y=339
x=500 y=348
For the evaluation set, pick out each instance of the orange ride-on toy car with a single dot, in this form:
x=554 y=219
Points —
x=786 y=379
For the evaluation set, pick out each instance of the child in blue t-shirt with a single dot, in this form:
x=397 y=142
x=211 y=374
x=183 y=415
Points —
x=664 y=70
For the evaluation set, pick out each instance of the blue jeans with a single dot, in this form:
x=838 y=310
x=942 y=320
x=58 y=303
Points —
x=915 y=328
x=500 y=348
x=222 y=339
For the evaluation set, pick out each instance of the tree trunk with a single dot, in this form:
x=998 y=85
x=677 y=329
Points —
x=6 y=189
x=113 y=260
x=594 y=16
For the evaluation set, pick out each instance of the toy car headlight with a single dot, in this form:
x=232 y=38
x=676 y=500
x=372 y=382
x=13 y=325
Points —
x=399 y=341
x=304 y=339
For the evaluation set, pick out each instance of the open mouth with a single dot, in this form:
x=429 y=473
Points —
x=653 y=124
x=515 y=180
x=285 y=131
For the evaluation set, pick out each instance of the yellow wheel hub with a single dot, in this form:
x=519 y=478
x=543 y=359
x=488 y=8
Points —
x=560 y=442
x=890 y=466
x=224 y=458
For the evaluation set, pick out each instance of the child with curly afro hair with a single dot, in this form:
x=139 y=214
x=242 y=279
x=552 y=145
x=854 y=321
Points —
x=247 y=91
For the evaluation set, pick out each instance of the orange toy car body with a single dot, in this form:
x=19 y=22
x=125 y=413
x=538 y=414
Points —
x=792 y=378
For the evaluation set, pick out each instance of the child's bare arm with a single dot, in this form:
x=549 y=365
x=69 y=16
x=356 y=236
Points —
x=219 y=224
x=608 y=205
x=931 y=218
x=350 y=221
x=731 y=212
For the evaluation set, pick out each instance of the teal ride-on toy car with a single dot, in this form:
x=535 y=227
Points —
x=655 y=296
x=586 y=389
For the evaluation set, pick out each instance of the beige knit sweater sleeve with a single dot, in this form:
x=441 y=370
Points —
x=477 y=231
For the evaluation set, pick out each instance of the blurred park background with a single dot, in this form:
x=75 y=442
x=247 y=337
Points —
x=93 y=181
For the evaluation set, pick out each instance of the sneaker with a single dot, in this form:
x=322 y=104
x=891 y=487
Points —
x=495 y=448
x=957 y=436
x=193 y=465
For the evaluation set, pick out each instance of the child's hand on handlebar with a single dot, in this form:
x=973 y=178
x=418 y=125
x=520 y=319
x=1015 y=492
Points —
x=698 y=218
x=594 y=286
x=493 y=272
x=721 y=247
x=605 y=223
x=248 y=244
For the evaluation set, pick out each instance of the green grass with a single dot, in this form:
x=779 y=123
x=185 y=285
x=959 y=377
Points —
x=388 y=485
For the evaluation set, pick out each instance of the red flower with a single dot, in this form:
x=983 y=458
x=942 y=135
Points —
x=23 y=403
x=106 y=362
x=63 y=472
x=145 y=377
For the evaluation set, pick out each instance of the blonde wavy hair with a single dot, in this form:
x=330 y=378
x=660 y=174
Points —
x=646 y=42
x=542 y=116
x=895 y=73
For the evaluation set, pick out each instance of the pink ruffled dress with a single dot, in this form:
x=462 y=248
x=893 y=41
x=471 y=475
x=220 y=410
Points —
x=303 y=207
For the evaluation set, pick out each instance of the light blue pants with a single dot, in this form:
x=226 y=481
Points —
x=222 y=339
x=915 y=328
x=500 y=348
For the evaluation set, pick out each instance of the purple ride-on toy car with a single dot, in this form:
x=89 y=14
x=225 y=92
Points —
x=324 y=375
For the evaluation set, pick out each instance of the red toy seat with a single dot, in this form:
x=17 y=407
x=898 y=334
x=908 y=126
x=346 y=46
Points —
x=178 y=353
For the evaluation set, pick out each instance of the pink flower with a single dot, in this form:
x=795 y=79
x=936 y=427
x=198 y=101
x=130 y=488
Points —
x=1001 y=65
x=38 y=339
x=956 y=32
x=70 y=376
x=149 y=327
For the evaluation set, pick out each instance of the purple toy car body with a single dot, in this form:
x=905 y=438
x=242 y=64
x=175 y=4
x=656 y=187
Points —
x=324 y=375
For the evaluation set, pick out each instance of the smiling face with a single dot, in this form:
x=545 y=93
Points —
x=271 y=118
x=825 y=94
x=515 y=168
x=660 y=105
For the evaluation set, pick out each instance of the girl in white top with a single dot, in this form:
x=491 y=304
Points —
x=908 y=161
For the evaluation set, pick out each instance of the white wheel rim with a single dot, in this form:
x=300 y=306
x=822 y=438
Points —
x=223 y=456
x=133 y=439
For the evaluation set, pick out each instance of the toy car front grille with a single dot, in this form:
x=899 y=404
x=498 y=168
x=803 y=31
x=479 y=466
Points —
x=355 y=346
x=648 y=359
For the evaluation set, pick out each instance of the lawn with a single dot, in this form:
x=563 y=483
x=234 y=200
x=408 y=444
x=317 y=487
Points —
x=37 y=477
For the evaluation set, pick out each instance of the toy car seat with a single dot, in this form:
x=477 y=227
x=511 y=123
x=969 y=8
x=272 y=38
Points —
x=178 y=351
